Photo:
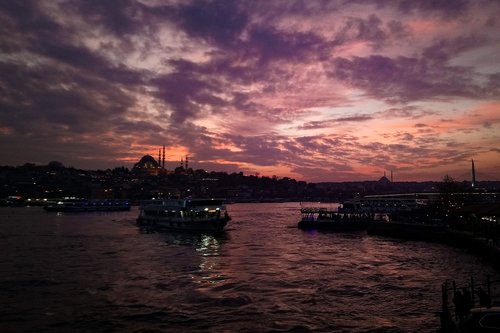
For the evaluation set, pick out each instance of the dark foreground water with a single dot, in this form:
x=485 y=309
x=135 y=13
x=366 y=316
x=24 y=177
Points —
x=98 y=272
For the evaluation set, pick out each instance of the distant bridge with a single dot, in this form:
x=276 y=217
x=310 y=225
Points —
x=480 y=176
x=474 y=176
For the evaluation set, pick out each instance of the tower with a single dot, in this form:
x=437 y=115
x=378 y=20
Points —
x=187 y=163
x=473 y=174
x=391 y=177
x=163 y=160
x=159 y=157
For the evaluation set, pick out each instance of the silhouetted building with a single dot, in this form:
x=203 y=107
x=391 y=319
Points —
x=384 y=180
x=147 y=165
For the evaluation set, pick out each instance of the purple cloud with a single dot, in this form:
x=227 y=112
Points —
x=405 y=79
x=242 y=82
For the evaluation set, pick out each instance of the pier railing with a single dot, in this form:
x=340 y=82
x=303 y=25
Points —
x=458 y=300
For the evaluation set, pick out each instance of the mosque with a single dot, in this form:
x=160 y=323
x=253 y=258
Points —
x=148 y=165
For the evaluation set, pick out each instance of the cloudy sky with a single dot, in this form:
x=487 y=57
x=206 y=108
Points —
x=313 y=90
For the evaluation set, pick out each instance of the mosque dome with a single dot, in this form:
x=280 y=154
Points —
x=146 y=162
x=384 y=180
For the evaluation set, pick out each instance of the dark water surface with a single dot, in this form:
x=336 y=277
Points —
x=98 y=272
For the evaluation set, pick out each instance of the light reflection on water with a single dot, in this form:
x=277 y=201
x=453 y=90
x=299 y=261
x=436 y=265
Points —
x=99 y=272
x=208 y=247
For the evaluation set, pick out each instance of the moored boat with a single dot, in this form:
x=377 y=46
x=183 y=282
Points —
x=389 y=203
x=193 y=215
x=472 y=308
x=74 y=205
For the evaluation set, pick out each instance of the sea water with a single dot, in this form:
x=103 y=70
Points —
x=99 y=272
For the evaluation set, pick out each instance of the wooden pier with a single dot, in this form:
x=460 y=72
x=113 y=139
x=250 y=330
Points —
x=463 y=307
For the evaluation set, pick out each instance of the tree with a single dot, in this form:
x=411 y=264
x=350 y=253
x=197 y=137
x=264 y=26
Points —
x=450 y=196
x=55 y=165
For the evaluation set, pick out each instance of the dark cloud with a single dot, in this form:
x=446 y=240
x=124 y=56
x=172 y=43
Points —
x=98 y=81
x=328 y=150
x=58 y=95
x=442 y=8
x=442 y=50
x=259 y=150
x=331 y=122
x=410 y=112
x=26 y=17
x=406 y=111
x=120 y=17
x=493 y=85
x=358 y=29
x=354 y=118
x=85 y=60
x=407 y=137
x=445 y=8
x=219 y=21
x=47 y=95
x=126 y=127
x=405 y=79
x=268 y=44
x=186 y=93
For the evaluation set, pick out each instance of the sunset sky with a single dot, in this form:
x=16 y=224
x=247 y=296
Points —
x=313 y=90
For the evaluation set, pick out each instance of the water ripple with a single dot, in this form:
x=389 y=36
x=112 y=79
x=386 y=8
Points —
x=100 y=273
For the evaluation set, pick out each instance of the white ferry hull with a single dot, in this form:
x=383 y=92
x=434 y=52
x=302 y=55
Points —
x=191 y=215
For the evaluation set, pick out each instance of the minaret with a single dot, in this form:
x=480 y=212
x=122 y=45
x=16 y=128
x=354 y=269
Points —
x=473 y=174
x=159 y=157
x=391 y=177
x=182 y=162
x=163 y=160
x=187 y=163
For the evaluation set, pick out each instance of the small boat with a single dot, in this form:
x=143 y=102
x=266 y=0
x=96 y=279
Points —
x=13 y=201
x=193 y=215
x=332 y=220
x=75 y=205
x=472 y=308
x=481 y=320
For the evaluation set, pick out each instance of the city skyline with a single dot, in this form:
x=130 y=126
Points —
x=312 y=90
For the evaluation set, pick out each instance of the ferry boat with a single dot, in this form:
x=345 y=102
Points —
x=75 y=205
x=389 y=203
x=193 y=215
x=367 y=213
x=12 y=201
x=399 y=215
x=332 y=220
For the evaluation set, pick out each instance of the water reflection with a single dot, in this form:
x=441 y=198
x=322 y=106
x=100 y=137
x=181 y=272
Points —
x=94 y=273
x=209 y=268
x=208 y=245
x=201 y=256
